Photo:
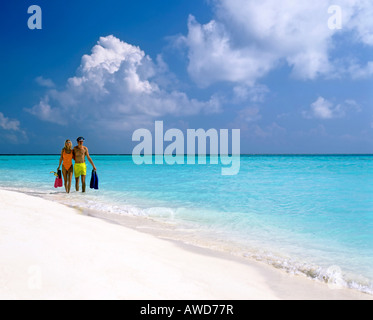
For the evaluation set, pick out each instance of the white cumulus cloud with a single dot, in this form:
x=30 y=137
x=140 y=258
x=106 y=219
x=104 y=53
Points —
x=8 y=124
x=118 y=86
x=11 y=131
x=212 y=57
x=249 y=38
x=325 y=109
x=41 y=81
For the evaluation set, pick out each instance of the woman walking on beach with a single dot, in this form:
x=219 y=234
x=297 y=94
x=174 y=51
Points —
x=67 y=166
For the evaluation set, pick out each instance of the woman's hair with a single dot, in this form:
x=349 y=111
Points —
x=69 y=147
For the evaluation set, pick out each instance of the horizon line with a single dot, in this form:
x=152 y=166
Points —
x=242 y=154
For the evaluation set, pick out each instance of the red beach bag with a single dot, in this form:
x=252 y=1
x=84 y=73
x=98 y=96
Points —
x=58 y=182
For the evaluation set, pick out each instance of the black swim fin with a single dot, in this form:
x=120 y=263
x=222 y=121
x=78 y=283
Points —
x=94 y=180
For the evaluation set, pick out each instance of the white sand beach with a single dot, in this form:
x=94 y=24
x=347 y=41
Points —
x=50 y=251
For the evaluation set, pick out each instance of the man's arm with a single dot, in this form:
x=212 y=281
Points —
x=89 y=159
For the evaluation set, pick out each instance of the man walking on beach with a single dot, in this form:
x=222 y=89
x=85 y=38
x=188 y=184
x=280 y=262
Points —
x=80 y=167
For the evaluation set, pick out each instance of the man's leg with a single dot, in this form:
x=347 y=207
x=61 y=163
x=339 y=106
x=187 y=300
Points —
x=77 y=176
x=77 y=184
x=83 y=183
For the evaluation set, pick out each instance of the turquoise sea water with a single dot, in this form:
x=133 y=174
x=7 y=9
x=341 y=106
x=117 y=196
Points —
x=305 y=214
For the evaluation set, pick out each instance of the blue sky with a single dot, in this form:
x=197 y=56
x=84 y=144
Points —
x=102 y=69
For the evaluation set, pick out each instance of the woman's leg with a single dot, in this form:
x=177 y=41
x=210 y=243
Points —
x=64 y=173
x=69 y=179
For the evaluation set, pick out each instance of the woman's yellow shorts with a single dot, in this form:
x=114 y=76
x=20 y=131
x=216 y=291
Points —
x=80 y=169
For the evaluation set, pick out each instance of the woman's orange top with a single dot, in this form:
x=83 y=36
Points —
x=67 y=160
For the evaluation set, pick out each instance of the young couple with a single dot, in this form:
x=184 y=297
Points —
x=77 y=154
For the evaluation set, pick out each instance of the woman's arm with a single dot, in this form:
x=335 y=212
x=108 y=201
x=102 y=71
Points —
x=61 y=159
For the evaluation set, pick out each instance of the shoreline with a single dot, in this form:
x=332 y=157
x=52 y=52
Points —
x=80 y=255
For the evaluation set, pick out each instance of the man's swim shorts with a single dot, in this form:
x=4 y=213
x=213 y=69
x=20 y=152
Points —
x=80 y=169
